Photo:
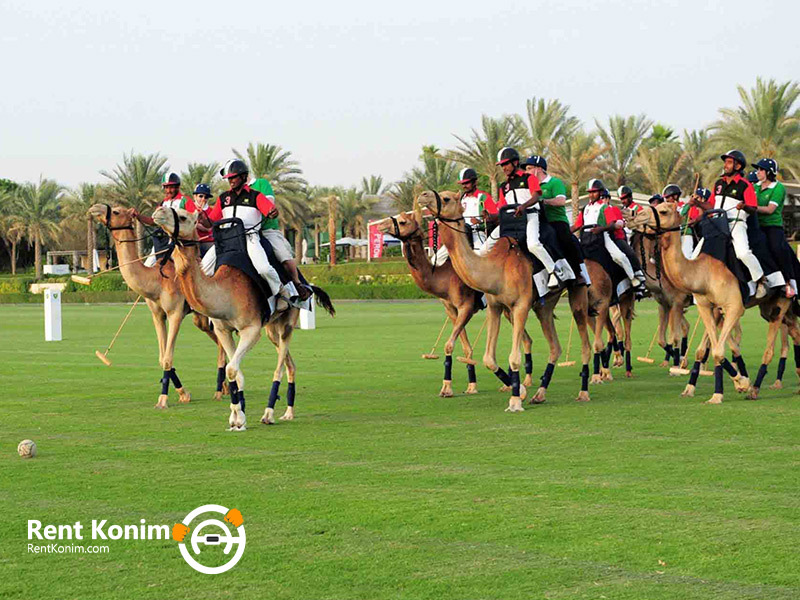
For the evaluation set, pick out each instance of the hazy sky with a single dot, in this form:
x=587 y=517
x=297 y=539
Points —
x=355 y=88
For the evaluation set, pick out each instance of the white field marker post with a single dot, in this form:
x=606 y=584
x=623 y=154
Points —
x=52 y=315
x=308 y=318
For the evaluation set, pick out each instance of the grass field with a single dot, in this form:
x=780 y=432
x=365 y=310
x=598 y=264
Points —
x=380 y=489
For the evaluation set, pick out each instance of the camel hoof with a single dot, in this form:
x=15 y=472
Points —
x=664 y=363
x=504 y=388
x=778 y=385
x=515 y=404
x=605 y=373
x=237 y=421
x=596 y=379
x=715 y=399
x=688 y=391
x=162 y=402
x=269 y=416
x=618 y=362
x=226 y=389
x=523 y=392
x=447 y=392
x=472 y=388
x=236 y=428
x=218 y=396
x=539 y=397
x=528 y=381
x=684 y=363
x=289 y=414
x=752 y=394
x=582 y=397
x=184 y=397
x=629 y=374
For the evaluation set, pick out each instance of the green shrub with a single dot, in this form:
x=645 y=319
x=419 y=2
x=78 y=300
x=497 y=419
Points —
x=15 y=285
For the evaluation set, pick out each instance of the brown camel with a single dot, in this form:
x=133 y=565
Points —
x=672 y=303
x=714 y=286
x=461 y=302
x=233 y=302
x=505 y=275
x=162 y=294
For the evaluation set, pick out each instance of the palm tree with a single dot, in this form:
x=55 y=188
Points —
x=196 y=173
x=275 y=164
x=660 y=164
x=37 y=206
x=136 y=182
x=79 y=200
x=436 y=172
x=766 y=125
x=547 y=122
x=373 y=186
x=622 y=138
x=353 y=205
x=403 y=193
x=699 y=156
x=332 y=203
x=10 y=224
x=575 y=160
x=480 y=150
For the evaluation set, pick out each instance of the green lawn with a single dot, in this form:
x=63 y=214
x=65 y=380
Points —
x=380 y=489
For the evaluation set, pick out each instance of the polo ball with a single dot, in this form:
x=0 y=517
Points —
x=27 y=449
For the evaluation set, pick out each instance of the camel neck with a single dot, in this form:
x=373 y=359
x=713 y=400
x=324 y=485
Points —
x=142 y=280
x=677 y=268
x=203 y=293
x=477 y=272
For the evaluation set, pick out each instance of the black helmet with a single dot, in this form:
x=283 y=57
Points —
x=232 y=168
x=656 y=199
x=535 y=161
x=605 y=193
x=467 y=175
x=752 y=177
x=170 y=178
x=671 y=190
x=704 y=193
x=595 y=185
x=770 y=165
x=737 y=156
x=624 y=192
x=506 y=155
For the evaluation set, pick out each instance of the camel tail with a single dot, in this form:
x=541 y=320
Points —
x=324 y=300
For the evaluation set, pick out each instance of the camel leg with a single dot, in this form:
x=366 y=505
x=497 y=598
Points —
x=460 y=318
x=619 y=333
x=782 y=361
x=700 y=357
x=794 y=331
x=775 y=325
x=732 y=314
x=248 y=337
x=738 y=374
x=600 y=323
x=527 y=346
x=663 y=322
x=579 y=303
x=466 y=347
x=220 y=371
x=291 y=371
x=705 y=312
x=159 y=322
x=520 y=314
x=675 y=317
x=174 y=320
x=493 y=314
x=685 y=328
x=548 y=324
x=627 y=322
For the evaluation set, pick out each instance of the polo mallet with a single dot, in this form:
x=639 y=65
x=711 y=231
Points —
x=104 y=356
x=568 y=362
x=432 y=355
x=646 y=358
x=88 y=280
x=470 y=361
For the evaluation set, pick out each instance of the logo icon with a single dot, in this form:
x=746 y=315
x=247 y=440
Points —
x=220 y=537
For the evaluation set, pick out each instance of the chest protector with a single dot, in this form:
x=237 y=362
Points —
x=592 y=213
x=516 y=191
x=242 y=207
x=728 y=195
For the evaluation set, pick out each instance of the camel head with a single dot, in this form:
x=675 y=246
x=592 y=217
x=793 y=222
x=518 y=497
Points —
x=401 y=226
x=663 y=216
x=444 y=204
x=116 y=217
x=187 y=222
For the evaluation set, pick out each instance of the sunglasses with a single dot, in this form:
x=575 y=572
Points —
x=204 y=197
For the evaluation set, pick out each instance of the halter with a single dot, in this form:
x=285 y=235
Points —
x=396 y=232
x=108 y=221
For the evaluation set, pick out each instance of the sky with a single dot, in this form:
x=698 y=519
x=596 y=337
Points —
x=356 y=88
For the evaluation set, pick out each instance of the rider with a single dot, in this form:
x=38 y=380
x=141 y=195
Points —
x=201 y=196
x=478 y=205
x=691 y=213
x=173 y=198
x=271 y=230
x=655 y=200
x=523 y=191
x=554 y=199
x=771 y=194
x=625 y=195
x=607 y=219
x=735 y=195
x=251 y=206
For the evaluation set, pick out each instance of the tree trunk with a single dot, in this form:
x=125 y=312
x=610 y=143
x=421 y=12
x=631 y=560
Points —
x=493 y=183
x=139 y=244
x=298 y=244
x=89 y=244
x=575 y=206
x=316 y=239
x=332 y=228
x=37 y=246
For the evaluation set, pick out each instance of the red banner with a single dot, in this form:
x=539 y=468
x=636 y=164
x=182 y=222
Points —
x=375 y=242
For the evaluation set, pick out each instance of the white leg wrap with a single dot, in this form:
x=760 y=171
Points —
x=618 y=256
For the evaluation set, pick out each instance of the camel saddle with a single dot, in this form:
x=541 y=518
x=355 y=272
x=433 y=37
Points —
x=594 y=248
x=716 y=242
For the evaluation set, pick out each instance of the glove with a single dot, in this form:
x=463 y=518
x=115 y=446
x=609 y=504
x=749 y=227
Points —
x=179 y=531
x=234 y=517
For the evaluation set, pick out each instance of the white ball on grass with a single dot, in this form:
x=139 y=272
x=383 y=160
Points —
x=27 y=449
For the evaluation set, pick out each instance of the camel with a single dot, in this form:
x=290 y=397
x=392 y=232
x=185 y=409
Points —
x=163 y=296
x=460 y=302
x=233 y=302
x=672 y=303
x=505 y=276
x=714 y=286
